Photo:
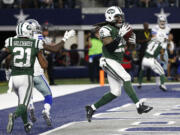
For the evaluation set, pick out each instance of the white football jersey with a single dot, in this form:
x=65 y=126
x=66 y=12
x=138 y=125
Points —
x=161 y=33
x=38 y=70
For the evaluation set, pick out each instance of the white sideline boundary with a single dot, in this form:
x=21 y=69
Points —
x=11 y=100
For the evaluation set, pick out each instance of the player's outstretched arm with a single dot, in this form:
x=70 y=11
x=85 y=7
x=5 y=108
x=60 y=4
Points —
x=42 y=60
x=4 y=53
x=59 y=46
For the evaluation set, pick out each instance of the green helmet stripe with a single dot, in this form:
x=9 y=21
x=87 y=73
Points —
x=38 y=44
x=21 y=28
x=120 y=10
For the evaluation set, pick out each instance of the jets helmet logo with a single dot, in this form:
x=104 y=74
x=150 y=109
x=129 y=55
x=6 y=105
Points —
x=111 y=11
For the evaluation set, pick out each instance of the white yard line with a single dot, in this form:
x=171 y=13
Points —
x=61 y=127
x=11 y=100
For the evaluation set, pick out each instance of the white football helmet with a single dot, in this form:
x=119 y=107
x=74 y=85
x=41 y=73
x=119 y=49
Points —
x=113 y=12
x=162 y=20
x=24 y=29
x=36 y=27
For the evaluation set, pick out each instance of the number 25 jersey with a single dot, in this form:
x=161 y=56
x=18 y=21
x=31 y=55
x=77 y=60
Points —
x=23 y=51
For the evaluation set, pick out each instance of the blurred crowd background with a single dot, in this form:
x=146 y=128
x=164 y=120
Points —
x=72 y=57
x=87 y=3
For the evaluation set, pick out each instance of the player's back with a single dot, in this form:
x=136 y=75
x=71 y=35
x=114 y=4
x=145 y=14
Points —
x=24 y=52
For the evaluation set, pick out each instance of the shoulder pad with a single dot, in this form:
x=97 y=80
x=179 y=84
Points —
x=105 y=31
x=8 y=42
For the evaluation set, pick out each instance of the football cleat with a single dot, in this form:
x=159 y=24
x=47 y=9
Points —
x=139 y=86
x=143 y=108
x=89 y=112
x=27 y=127
x=32 y=115
x=163 y=87
x=47 y=118
x=10 y=124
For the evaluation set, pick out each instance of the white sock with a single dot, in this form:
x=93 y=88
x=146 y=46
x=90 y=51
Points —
x=47 y=108
x=158 y=80
x=93 y=107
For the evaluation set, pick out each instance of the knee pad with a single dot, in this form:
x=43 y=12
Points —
x=116 y=92
x=127 y=78
x=48 y=99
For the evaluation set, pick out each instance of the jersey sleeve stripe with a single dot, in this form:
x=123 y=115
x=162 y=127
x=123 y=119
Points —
x=38 y=44
x=107 y=28
x=10 y=41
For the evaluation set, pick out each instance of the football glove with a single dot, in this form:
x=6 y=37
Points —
x=124 y=29
x=132 y=39
x=8 y=73
x=68 y=34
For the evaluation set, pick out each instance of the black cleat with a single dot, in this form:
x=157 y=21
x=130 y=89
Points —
x=27 y=127
x=32 y=115
x=47 y=118
x=163 y=87
x=89 y=112
x=144 y=108
x=139 y=86
x=10 y=124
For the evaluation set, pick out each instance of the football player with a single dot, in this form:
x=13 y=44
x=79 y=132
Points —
x=24 y=50
x=40 y=81
x=160 y=32
x=154 y=48
x=113 y=34
x=162 y=29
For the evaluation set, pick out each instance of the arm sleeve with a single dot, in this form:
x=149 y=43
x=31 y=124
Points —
x=104 y=32
x=7 y=42
x=40 y=45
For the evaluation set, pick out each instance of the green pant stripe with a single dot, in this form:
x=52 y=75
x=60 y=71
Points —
x=28 y=91
x=158 y=67
x=114 y=72
x=31 y=87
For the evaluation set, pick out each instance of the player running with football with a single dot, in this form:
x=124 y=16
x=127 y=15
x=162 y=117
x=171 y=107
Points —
x=113 y=34
x=23 y=50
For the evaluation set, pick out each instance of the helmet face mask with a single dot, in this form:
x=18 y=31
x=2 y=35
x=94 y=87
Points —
x=24 y=29
x=115 y=15
x=36 y=27
x=162 y=21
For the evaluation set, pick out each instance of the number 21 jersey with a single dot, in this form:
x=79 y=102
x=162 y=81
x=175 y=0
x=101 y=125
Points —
x=23 y=51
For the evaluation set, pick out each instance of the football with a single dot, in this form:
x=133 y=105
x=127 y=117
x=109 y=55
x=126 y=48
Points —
x=128 y=35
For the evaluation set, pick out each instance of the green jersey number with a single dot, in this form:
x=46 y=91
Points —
x=23 y=57
x=151 y=48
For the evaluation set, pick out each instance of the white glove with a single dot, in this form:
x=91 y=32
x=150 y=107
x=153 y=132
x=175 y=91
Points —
x=124 y=29
x=8 y=74
x=68 y=34
x=132 y=39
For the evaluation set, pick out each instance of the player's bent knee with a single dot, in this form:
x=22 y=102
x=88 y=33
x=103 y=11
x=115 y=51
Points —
x=127 y=78
x=116 y=92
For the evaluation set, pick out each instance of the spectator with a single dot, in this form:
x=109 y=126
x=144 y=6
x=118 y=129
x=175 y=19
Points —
x=171 y=69
x=47 y=3
x=127 y=63
x=161 y=3
x=49 y=55
x=143 y=38
x=7 y=3
x=145 y=3
x=30 y=4
x=74 y=55
x=95 y=52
